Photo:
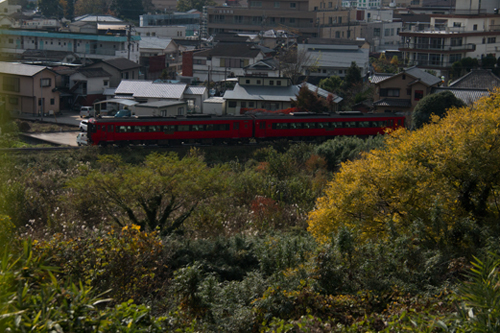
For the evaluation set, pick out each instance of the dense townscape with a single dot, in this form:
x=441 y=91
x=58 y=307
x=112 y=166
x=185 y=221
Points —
x=249 y=166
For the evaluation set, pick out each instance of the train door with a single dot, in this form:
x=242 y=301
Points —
x=236 y=130
x=260 y=129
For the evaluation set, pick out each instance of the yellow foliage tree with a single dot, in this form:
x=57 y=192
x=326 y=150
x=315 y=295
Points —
x=449 y=166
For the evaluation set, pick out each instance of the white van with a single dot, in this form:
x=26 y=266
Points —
x=87 y=111
x=81 y=139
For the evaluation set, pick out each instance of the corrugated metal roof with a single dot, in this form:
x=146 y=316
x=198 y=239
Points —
x=195 y=90
x=262 y=93
x=19 y=69
x=154 y=43
x=148 y=89
x=160 y=104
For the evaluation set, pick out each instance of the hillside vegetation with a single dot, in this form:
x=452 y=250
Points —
x=393 y=234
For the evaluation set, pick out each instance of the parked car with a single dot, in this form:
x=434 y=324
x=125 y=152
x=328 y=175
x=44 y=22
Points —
x=87 y=111
x=84 y=125
x=123 y=113
x=81 y=139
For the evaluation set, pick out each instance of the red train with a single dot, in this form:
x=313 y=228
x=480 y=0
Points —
x=211 y=129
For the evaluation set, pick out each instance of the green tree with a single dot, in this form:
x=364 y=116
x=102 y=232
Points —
x=52 y=8
x=352 y=77
x=161 y=193
x=435 y=104
x=97 y=7
x=185 y=5
x=434 y=176
x=308 y=100
x=488 y=62
x=128 y=9
x=331 y=84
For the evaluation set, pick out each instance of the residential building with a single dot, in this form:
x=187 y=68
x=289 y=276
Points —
x=383 y=35
x=330 y=57
x=8 y=9
x=270 y=93
x=264 y=67
x=149 y=91
x=120 y=69
x=88 y=85
x=190 y=20
x=173 y=31
x=28 y=89
x=221 y=62
x=14 y=42
x=308 y=18
x=401 y=92
x=451 y=38
x=158 y=54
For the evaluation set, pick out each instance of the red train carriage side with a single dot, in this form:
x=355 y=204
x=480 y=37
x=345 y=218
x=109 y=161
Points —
x=170 y=130
x=311 y=126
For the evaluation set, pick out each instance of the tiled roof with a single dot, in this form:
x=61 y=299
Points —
x=477 y=79
x=121 y=64
x=379 y=77
x=468 y=96
x=19 y=69
x=424 y=77
x=404 y=103
x=230 y=50
x=148 y=89
x=323 y=93
x=93 y=72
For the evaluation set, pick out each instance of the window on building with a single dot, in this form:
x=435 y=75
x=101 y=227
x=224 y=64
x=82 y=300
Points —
x=282 y=20
x=455 y=57
x=52 y=101
x=293 y=5
x=457 y=24
x=387 y=32
x=474 y=27
x=337 y=34
x=492 y=40
x=389 y=92
x=247 y=81
x=180 y=111
x=330 y=5
x=11 y=41
x=106 y=83
x=276 y=4
x=258 y=81
x=292 y=20
x=232 y=104
x=419 y=94
x=278 y=83
x=271 y=83
x=44 y=82
x=251 y=104
x=255 y=3
x=243 y=104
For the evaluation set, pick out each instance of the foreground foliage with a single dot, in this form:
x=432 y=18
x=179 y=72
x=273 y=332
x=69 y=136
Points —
x=441 y=179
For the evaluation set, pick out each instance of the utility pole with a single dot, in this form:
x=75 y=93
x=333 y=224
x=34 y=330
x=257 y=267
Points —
x=129 y=38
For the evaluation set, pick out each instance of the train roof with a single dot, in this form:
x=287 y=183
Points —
x=193 y=117
x=339 y=115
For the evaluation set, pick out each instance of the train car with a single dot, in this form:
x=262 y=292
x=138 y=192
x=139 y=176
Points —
x=193 y=129
x=307 y=126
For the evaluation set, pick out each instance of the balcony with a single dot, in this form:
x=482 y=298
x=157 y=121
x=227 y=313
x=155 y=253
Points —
x=437 y=47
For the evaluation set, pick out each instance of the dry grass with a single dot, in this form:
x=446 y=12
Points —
x=35 y=126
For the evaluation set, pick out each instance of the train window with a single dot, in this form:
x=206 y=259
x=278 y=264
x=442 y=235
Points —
x=236 y=126
x=169 y=128
x=276 y=126
x=364 y=124
x=309 y=125
x=198 y=127
x=183 y=128
x=140 y=129
x=221 y=127
x=154 y=128
x=209 y=127
x=350 y=124
x=295 y=125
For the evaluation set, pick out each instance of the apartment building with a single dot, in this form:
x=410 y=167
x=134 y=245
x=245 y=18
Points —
x=451 y=38
x=104 y=44
x=308 y=18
